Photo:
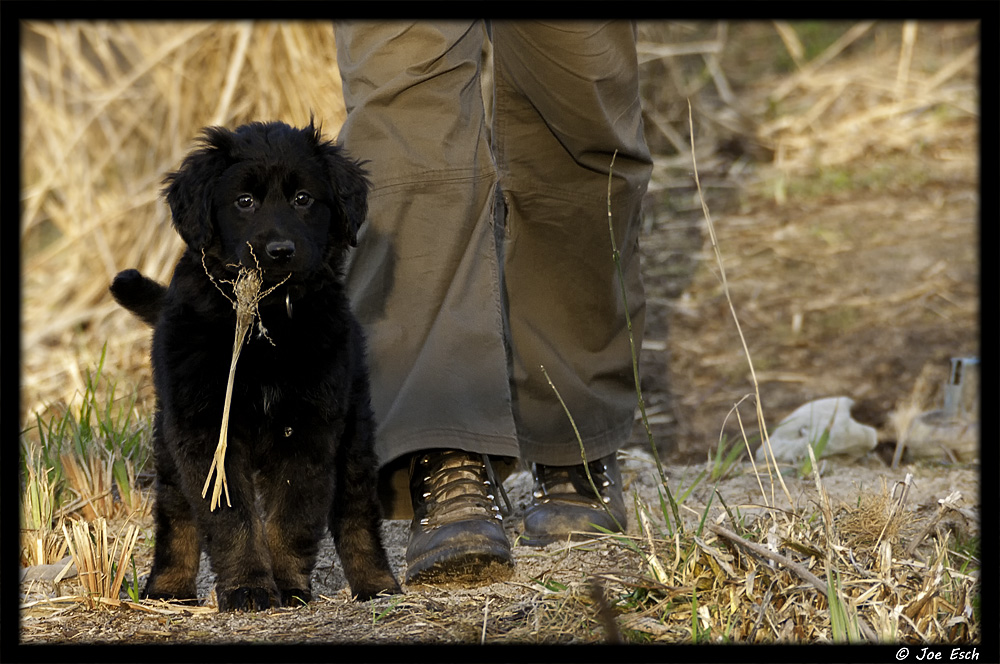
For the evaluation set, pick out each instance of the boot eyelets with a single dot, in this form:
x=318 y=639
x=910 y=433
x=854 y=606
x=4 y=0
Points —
x=569 y=500
x=455 y=515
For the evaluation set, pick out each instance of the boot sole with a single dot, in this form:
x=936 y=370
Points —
x=461 y=569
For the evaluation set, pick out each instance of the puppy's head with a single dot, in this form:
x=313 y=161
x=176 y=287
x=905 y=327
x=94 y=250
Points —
x=269 y=195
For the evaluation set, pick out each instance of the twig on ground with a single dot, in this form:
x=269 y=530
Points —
x=950 y=502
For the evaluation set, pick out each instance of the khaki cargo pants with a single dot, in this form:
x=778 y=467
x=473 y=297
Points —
x=487 y=252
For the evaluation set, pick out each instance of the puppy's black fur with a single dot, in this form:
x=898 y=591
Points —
x=300 y=445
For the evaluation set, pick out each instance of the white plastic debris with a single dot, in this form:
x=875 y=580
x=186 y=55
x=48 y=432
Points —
x=804 y=427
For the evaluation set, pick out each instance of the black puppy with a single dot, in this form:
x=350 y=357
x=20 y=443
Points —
x=300 y=444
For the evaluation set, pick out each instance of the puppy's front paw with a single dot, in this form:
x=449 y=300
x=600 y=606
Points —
x=369 y=588
x=244 y=599
x=295 y=597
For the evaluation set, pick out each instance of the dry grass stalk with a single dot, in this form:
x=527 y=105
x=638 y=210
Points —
x=134 y=501
x=825 y=508
x=732 y=309
x=905 y=57
x=921 y=610
x=654 y=564
x=750 y=453
x=92 y=479
x=246 y=289
x=792 y=42
x=486 y=615
x=844 y=619
x=101 y=567
x=41 y=547
x=909 y=409
x=40 y=544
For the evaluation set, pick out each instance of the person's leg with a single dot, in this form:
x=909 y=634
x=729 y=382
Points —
x=425 y=283
x=566 y=100
x=424 y=277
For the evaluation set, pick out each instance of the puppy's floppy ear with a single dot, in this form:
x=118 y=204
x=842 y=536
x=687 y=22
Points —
x=350 y=184
x=352 y=187
x=189 y=189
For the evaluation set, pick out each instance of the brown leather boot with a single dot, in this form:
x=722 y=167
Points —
x=566 y=507
x=456 y=535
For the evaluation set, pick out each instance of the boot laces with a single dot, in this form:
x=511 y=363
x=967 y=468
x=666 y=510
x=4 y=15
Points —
x=457 y=486
x=571 y=483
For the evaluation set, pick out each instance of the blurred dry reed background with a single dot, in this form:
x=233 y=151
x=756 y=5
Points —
x=879 y=88
x=110 y=107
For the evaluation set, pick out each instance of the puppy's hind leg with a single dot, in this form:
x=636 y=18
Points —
x=355 y=516
x=178 y=547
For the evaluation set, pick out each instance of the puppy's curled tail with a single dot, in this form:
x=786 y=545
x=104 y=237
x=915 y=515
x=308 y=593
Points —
x=139 y=294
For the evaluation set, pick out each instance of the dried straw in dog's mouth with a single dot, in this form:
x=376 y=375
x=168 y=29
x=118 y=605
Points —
x=246 y=288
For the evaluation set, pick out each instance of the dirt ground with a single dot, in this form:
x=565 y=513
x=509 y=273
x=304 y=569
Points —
x=851 y=290
x=545 y=601
x=886 y=285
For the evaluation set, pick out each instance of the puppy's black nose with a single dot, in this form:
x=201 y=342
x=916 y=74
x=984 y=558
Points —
x=281 y=250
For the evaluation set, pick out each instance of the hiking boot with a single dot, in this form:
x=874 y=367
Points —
x=456 y=535
x=566 y=507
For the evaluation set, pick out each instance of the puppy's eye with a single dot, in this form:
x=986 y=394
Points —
x=302 y=199
x=245 y=201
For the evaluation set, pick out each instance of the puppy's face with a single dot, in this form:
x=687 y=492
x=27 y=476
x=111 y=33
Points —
x=269 y=196
x=274 y=213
